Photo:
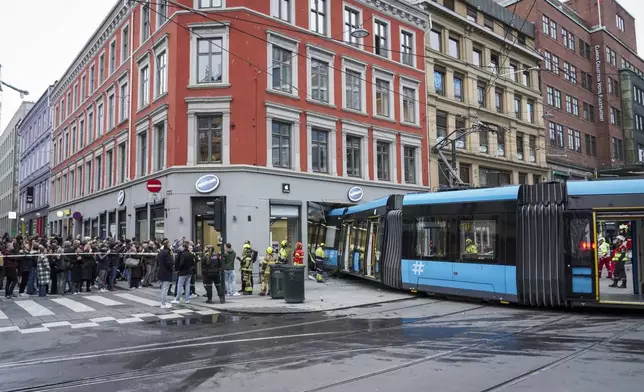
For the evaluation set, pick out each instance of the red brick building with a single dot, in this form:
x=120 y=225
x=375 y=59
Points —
x=260 y=107
x=585 y=44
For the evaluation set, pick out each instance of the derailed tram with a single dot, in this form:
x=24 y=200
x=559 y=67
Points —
x=529 y=244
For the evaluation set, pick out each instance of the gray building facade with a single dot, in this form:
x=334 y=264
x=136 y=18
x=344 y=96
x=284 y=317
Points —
x=9 y=154
x=35 y=149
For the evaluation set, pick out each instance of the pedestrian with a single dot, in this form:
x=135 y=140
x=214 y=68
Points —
x=11 y=271
x=213 y=267
x=77 y=271
x=229 y=270
x=103 y=260
x=43 y=272
x=165 y=275
x=148 y=264
x=184 y=270
x=24 y=268
x=135 y=266
x=89 y=263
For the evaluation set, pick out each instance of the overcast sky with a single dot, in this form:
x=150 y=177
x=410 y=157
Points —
x=40 y=38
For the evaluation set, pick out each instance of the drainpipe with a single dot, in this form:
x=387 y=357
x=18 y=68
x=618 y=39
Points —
x=599 y=11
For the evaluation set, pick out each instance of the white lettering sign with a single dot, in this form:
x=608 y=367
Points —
x=600 y=89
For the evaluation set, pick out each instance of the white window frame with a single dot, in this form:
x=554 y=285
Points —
x=388 y=76
x=209 y=31
x=388 y=136
x=75 y=96
x=354 y=129
x=143 y=127
x=161 y=47
x=141 y=64
x=82 y=120
x=67 y=142
x=291 y=45
x=289 y=115
x=101 y=77
x=275 y=4
x=160 y=118
x=208 y=106
x=415 y=141
x=100 y=131
x=90 y=126
x=388 y=23
x=327 y=19
x=413 y=46
x=158 y=15
x=149 y=4
x=106 y=170
x=360 y=23
x=123 y=139
x=415 y=84
x=110 y=92
x=197 y=5
x=124 y=55
x=126 y=112
x=326 y=123
x=361 y=68
x=314 y=52
x=97 y=177
x=111 y=71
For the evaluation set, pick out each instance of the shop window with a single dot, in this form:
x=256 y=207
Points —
x=285 y=225
x=112 y=229
x=94 y=232
x=477 y=239
x=122 y=223
x=87 y=227
x=141 y=229
x=103 y=231
x=157 y=221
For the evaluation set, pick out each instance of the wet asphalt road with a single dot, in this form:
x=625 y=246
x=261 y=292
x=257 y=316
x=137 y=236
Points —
x=420 y=344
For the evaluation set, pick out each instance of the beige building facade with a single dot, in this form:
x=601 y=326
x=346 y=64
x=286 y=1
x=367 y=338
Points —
x=483 y=94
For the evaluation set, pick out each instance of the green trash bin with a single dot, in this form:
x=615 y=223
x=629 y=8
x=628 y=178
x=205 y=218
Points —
x=277 y=281
x=294 y=285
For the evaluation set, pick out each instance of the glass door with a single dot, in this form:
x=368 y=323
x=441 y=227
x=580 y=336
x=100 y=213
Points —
x=373 y=253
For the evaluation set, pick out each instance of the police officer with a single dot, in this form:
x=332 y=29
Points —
x=319 y=263
x=265 y=270
x=283 y=254
x=212 y=269
x=619 y=272
x=246 y=264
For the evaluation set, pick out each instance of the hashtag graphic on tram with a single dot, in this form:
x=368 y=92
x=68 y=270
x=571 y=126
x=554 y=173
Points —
x=419 y=267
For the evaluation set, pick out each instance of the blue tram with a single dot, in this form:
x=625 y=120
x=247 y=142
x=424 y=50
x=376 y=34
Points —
x=526 y=244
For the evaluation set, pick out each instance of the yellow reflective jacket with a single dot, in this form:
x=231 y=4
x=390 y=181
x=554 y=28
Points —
x=269 y=260
x=319 y=253
x=471 y=249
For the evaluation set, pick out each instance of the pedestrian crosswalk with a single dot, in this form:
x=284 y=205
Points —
x=28 y=316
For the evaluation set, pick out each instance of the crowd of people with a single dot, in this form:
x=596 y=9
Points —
x=52 y=265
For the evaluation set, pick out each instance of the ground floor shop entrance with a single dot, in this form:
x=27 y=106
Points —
x=209 y=219
x=621 y=283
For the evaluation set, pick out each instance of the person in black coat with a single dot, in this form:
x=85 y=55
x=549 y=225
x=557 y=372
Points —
x=136 y=271
x=76 y=266
x=212 y=270
x=89 y=264
x=186 y=266
x=165 y=273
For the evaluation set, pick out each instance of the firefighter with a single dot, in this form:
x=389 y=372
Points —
x=298 y=255
x=619 y=271
x=246 y=264
x=265 y=270
x=283 y=253
x=604 y=257
x=319 y=263
x=470 y=247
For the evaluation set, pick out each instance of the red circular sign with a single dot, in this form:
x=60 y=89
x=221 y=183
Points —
x=153 y=185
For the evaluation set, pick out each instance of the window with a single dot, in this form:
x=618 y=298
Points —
x=589 y=112
x=498 y=100
x=619 y=21
x=615 y=117
x=613 y=86
x=441 y=124
x=458 y=87
x=426 y=238
x=101 y=68
x=454 y=48
x=281 y=144
x=210 y=4
x=99 y=174
x=611 y=56
x=317 y=18
x=586 y=81
x=640 y=152
x=576 y=141
x=319 y=80
x=125 y=43
x=564 y=37
x=530 y=105
x=66 y=144
x=575 y=106
x=142 y=154
x=161 y=82
x=124 y=103
x=560 y=136
x=354 y=156
x=494 y=61
x=111 y=109
x=571 y=41
x=525 y=76
x=320 y=150
x=409 y=157
x=568 y=104
x=439 y=82
x=407 y=48
x=159 y=145
x=83 y=88
x=122 y=159
x=209 y=135
x=471 y=14
x=639 y=122
x=90 y=127
x=351 y=23
x=381 y=38
x=553 y=30
x=552 y=134
x=483 y=142
x=144 y=86
x=145 y=22
x=282 y=9
x=558 y=99
x=75 y=96
x=500 y=143
x=74 y=145
x=545 y=24
x=449 y=4
x=100 y=113
x=477 y=239
x=353 y=90
x=382 y=98
x=282 y=69
x=477 y=56
x=209 y=60
x=88 y=178
x=382 y=161
x=517 y=106
x=532 y=146
x=409 y=105
x=459 y=133
x=584 y=49
x=488 y=22
x=618 y=149
x=162 y=12
x=481 y=89
x=109 y=167
x=81 y=133
x=92 y=83
x=513 y=71
x=436 y=40
x=112 y=56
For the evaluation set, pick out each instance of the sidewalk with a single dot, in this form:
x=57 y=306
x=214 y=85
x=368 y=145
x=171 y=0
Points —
x=334 y=294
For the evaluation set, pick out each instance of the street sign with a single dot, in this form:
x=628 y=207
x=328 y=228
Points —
x=153 y=185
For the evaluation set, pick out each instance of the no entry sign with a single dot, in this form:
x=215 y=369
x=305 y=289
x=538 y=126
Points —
x=154 y=185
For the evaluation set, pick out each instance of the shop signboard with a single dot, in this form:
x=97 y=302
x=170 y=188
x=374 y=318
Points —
x=207 y=183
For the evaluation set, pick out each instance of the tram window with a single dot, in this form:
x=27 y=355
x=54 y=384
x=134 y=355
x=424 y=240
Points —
x=477 y=239
x=432 y=236
x=581 y=245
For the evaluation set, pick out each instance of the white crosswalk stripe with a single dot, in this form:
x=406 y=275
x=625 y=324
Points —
x=57 y=324
x=103 y=300
x=73 y=305
x=169 y=316
x=34 y=309
x=140 y=300
x=3 y=316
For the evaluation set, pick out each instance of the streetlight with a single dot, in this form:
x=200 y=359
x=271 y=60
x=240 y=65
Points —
x=359 y=33
x=547 y=115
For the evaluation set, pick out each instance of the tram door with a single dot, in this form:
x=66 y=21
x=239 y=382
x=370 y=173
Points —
x=347 y=245
x=373 y=252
